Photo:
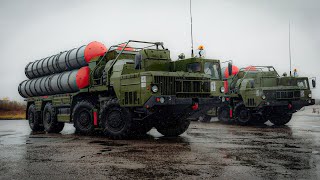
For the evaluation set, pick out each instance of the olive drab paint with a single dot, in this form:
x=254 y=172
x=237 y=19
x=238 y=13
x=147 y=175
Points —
x=257 y=94
x=141 y=81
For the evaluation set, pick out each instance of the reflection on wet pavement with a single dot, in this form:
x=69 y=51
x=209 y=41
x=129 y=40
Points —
x=207 y=150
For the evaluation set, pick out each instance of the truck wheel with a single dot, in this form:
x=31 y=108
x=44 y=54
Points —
x=116 y=121
x=82 y=117
x=280 y=119
x=224 y=114
x=258 y=119
x=50 y=123
x=34 y=119
x=243 y=115
x=59 y=127
x=141 y=127
x=172 y=127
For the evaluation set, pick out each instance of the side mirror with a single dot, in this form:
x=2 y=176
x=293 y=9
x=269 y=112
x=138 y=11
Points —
x=137 y=61
x=313 y=81
x=230 y=68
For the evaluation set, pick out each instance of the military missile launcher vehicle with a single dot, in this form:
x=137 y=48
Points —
x=257 y=94
x=124 y=90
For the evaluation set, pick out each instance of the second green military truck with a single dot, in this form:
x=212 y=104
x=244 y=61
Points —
x=257 y=94
x=124 y=90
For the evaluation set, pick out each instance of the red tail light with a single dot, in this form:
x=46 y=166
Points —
x=195 y=106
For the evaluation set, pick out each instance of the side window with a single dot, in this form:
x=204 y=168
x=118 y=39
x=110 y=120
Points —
x=303 y=84
x=212 y=69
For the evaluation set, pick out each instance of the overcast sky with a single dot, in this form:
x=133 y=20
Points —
x=250 y=32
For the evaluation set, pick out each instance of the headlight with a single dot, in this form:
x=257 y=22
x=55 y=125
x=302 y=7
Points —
x=263 y=97
x=301 y=93
x=310 y=95
x=154 y=88
x=222 y=89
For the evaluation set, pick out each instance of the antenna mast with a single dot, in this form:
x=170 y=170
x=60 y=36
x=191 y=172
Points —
x=290 y=47
x=192 y=55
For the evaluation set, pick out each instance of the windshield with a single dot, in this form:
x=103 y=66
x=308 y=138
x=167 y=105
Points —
x=212 y=69
x=194 y=67
x=302 y=84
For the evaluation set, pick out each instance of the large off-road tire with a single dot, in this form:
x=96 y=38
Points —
x=280 y=119
x=243 y=114
x=34 y=119
x=83 y=118
x=172 y=127
x=59 y=127
x=141 y=127
x=258 y=119
x=116 y=121
x=224 y=114
x=50 y=123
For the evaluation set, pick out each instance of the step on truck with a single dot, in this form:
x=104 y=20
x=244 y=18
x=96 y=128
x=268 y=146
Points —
x=256 y=94
x=124 y=90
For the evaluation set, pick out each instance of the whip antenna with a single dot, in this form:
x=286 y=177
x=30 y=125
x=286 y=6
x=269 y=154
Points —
x=290 y=47
x=191 y=31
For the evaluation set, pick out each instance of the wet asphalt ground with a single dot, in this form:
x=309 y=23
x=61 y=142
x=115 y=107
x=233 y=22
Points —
x=205 y=151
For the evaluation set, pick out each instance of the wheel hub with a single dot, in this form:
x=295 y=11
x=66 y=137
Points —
x=115 y=121
x=224 y=114
x=84 y=118
x=244 y=114
x=31 y=119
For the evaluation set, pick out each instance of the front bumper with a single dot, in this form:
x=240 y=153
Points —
x=172 y=106
x=173 y=100
x=296 y=104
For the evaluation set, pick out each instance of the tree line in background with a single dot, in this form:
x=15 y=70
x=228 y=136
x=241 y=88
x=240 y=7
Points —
x=12 y=109
x=7 y=105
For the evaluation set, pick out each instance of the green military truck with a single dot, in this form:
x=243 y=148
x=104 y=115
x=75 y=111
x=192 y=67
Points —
x=124 y=91
x=257 y=94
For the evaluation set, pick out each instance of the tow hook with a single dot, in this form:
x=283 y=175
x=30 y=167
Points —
x=195 y=106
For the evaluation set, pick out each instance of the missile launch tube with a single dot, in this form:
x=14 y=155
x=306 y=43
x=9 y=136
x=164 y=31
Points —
x=65 y=61
x=65 y=82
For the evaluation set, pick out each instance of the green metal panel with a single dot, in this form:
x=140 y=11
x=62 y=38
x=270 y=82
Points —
x=63 y=118
x=61 y=100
